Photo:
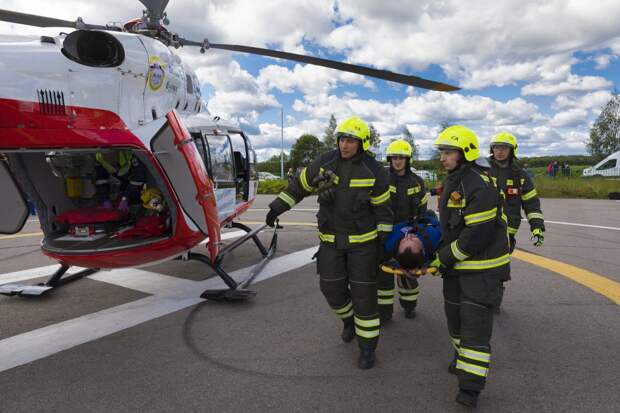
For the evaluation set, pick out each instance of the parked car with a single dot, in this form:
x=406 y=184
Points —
x=609 y=166
x=267 y=176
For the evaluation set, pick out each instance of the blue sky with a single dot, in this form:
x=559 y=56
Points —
x=540 y=69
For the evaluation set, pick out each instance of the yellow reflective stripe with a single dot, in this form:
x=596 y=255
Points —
x=413 y=190
x=534 y=215
x=385 y=301
x=346 y=315
x=512 y=230
x=377 y=200
x=386 y=293
x=374 y=322
x=529 y=195
x=361 y=183
x=344 y=312
x=504 y=217
x=304 y=180
x=472 y=368
x=475 y=355
x=392 y=188
x=482 y=264
x=485 y=178
x=479 y=217
x=456 y=343
x=385 y=227
x=424 y=200
x=509 y=182
x=287 y=198
x=363 y=237
x=458 y=254
x=344 y=309
x=452 y=204
x=522 y=181
x=408 y=295
x=367 y=334
x=327 y=237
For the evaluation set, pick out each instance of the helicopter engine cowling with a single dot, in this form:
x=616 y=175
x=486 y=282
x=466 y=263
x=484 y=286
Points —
x=93 y=48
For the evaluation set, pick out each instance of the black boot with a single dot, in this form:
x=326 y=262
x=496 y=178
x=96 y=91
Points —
x=348 y=331
x=467 y=398
x=367 y=359
x=496 y=310
x=385 y=313
x=410 y=312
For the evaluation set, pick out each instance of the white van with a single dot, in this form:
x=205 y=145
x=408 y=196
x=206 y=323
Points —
x=609 y=166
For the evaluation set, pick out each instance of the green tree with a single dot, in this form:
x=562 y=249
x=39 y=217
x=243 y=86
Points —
x=272 y=165
x=605 y=133
x=306 y=149
x=329 y=137
x=415 y=150
x=375 y=138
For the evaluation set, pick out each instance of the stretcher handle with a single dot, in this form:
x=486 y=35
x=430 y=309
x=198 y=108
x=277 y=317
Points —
x=397 y=271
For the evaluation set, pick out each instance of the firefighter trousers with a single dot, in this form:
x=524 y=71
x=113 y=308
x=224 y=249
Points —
x=408 y=290
x=348 y=280
x=469 y=302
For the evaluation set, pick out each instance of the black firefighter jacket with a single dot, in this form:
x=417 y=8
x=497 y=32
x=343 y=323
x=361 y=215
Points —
x=474 y=231
x=360 y=211
x=519 y=193
x=408 y=196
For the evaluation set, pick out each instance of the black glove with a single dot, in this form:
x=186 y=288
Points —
x=272 y=215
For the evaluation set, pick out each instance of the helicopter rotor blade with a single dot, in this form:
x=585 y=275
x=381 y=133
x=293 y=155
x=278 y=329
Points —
x=347 y=67
x=42 y=21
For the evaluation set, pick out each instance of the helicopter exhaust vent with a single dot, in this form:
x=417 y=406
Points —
x=51 y=102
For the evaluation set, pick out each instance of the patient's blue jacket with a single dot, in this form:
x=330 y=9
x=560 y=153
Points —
x=427 y=229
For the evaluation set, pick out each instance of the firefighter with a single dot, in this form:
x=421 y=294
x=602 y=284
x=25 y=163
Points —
x=517 y=188
x=473 y=257
x=119 y=176
x=408 y=201
x=354 y=218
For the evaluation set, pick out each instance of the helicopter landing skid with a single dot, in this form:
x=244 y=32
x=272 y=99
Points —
x=237 y=291
x=55 y=281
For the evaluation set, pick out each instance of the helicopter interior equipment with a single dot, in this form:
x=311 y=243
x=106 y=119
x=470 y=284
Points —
x=105 y=130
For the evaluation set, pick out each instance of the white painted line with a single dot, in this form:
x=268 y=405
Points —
x=579 y=225
x=172 y=296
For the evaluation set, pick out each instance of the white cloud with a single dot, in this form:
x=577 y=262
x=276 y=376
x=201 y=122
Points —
x=308 y=79
x=591 y=101
x=571 y=117
x=572 y=84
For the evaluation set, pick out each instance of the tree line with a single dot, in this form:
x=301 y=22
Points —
x=604 y=140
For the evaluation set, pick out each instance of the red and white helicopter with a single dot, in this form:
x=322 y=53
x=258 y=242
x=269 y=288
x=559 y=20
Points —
x=81 y=110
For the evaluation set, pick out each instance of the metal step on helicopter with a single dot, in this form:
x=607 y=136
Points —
x=105 y=130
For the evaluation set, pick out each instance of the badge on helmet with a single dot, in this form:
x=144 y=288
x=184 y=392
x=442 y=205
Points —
x=460 y=138
x=355 y=128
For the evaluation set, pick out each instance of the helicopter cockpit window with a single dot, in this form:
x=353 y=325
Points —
x=221 y=158
x=240 y=155
x=190 y=84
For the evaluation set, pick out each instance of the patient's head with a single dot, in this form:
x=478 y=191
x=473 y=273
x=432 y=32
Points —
x=410 y=253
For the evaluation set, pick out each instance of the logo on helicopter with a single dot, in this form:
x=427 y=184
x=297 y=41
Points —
x=157 y=73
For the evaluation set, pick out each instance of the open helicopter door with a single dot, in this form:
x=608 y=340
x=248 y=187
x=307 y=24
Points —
x=15 y=208
x=184 y=167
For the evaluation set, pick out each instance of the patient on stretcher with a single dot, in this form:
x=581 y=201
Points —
x=412 y=245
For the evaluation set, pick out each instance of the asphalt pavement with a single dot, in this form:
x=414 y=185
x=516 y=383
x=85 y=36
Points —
x=142 y=340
